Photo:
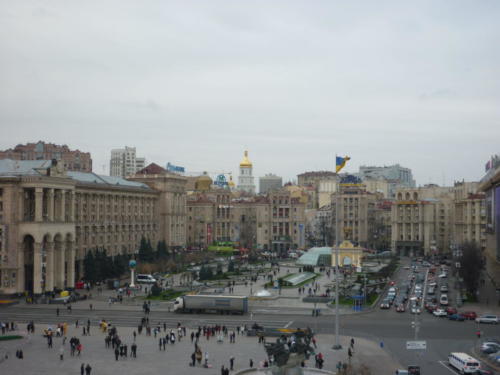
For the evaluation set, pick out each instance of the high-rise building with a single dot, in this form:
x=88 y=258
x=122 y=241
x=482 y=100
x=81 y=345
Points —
x=124 y=162
x=245 y=179
x=269 y=182
x=72 y=160
x=396 y=176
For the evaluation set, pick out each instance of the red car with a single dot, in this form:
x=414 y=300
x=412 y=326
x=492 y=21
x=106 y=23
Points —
x=451 y=310
x=470 y=315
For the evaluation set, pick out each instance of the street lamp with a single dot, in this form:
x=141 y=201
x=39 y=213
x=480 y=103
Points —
x=337 y=345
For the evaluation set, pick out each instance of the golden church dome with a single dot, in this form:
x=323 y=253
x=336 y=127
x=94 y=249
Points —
x=203 y=183
x=245 y=162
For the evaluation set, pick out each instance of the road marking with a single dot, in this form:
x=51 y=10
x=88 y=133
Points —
x=445 y=365
x=289 y=324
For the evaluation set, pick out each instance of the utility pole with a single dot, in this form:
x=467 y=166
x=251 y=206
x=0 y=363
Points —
x=337 y=345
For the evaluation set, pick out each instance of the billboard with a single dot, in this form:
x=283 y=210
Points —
x=175 y=168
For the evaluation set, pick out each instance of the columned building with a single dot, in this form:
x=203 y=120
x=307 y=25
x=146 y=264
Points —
x=245 y=179
x=50 y=218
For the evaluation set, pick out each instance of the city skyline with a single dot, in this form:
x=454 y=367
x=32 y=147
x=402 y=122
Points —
x=196 y=85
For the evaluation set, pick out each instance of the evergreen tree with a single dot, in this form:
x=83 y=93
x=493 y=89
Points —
x=146 y=251
x=89 y=267
x=161 y=250
x=471 y=264
x=230 y=266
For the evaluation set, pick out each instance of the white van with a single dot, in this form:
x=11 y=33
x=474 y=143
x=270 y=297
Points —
x=464 y=363
x=145 y=279
x=443 y=300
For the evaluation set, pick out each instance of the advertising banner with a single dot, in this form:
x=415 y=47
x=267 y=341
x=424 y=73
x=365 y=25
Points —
x=497 y=219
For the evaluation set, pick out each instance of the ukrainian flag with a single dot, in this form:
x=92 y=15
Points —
x=340 y=162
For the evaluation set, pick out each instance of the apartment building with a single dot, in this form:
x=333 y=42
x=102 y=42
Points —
x=124 y=162
x=72 y=160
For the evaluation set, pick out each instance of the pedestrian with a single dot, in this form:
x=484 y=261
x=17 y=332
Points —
x=61 y=353
x=352 y=342
x=133 y=349
x=251 y=363
x=57 y=311
x=91 y=307
x=82 y=369
x=222 y=370
x=88 y=369
x=231 y=363
x=117 y=353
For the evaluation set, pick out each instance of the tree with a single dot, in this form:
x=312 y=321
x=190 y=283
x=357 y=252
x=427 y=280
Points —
x=471 y=264
x=145 y=251
x=161 y=250
x=89 y=267
x=230 y=266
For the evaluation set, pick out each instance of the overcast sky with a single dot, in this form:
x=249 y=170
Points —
x=294 y=82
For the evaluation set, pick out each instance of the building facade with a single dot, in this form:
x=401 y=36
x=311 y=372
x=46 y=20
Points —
x=124 y=162
x=422 y=220
x=50 y=218
x=72 y=160
x=353 y=214
x=490 y=185
x=245 y=179
x=469 y=214
x=269 y=182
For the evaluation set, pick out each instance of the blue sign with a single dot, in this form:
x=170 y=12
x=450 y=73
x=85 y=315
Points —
x=175 y=168
x=221 y=181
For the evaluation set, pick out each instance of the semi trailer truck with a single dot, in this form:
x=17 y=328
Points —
x=221 y=304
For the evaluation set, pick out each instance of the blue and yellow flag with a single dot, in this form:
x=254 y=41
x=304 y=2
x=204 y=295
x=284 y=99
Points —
x=340 y=162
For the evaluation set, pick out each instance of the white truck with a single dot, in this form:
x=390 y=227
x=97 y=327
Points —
x=201 y=303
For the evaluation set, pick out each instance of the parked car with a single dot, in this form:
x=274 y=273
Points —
x=490 y=319
x=442 y=275
x=490 y=347
x=443 y=300
x=471 y=315
x=457 y=317
x=439 y=313
x=444 y=288
x=430 y=307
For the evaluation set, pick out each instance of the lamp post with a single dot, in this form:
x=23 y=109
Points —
x=132 y=264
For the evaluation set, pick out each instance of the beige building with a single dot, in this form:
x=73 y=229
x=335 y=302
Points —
x=50 y=218
x=470 y=214
x=353 y=214
x=422 y=220
x=171 y=204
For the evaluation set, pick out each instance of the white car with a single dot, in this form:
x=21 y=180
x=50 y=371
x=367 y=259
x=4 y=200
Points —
x=439 y=312
x=491 y=319
x=415 y=310
x=442 y=275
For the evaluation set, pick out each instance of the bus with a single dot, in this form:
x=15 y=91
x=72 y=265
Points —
x=464 y=363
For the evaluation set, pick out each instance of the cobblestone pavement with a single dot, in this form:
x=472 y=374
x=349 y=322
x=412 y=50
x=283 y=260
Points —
x=40 y=360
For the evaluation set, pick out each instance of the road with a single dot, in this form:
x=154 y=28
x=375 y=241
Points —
x=383 y=326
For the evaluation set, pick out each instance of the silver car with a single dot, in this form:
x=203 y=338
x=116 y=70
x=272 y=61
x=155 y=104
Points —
x=491 y=319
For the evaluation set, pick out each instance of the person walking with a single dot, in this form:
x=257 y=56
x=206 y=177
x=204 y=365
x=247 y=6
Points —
x=57 y=311
x=88 y=369
x=193 y=359
x=82 y=369
x=231 y=363
x=61 y=353
x=117 y=353
x=251 y=363
x=133 y=349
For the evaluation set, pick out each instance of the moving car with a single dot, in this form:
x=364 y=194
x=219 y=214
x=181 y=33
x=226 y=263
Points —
x=457 y=317
x=490 y=319
x=400 y=308
x=471 y=315
x=415 y=309
x=439 y=312
x=145 y=279
x=385 y=304
x=443 y=300
x=464 y=363
x=490 y=347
